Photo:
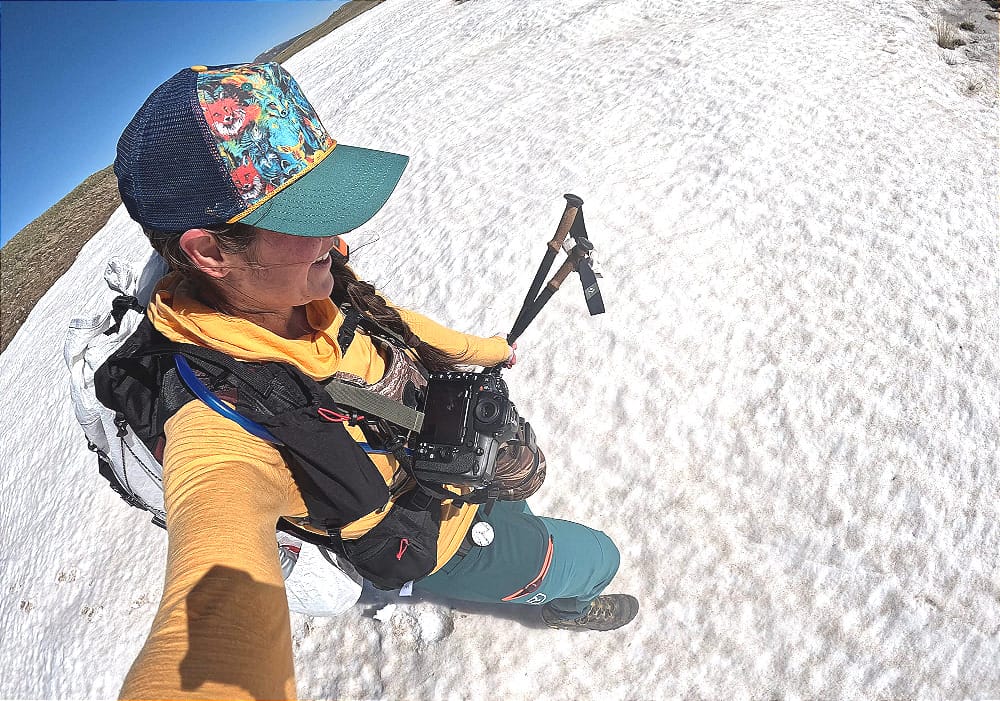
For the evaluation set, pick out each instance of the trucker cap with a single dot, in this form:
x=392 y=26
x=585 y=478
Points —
x=240 y=143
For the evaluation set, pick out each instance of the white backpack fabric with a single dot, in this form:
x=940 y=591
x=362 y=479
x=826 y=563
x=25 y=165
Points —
x=86 y=348
x=316 y=581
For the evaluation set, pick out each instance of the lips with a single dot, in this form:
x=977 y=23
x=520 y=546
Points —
x=324 y=259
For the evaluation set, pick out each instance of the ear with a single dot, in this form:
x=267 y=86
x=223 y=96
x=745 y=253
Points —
x=201 y=247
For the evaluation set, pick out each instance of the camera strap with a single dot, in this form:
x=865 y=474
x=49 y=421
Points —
x=364 y=399
x=382 y=401
x=369 y=402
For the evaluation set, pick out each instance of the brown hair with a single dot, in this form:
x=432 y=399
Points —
x=240 y=238
x=347 y=287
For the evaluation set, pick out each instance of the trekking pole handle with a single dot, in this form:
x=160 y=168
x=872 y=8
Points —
x=579 y=252
x=573 y=204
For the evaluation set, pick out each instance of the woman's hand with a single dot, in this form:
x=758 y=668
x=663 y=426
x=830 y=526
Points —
x=512 y=357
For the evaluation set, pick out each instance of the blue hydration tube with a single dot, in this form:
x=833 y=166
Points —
x=206 y=395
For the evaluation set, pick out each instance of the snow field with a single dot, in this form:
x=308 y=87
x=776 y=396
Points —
x=787 y=420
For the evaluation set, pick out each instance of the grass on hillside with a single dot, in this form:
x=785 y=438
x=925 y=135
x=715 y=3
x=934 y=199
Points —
x=947 y=36
x=43 y=250
x=342 y=16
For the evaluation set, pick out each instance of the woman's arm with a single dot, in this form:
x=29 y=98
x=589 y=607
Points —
x=471 y=349
x=222 y=629
x=467 y=348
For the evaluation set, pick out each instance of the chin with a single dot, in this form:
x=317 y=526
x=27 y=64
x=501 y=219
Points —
x=322 y=291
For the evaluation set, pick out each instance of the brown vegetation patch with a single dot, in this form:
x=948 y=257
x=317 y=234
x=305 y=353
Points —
x=342 y=16
x=947 y=36
x=43 y=250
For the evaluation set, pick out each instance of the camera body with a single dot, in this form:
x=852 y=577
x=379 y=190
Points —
x=467 y=417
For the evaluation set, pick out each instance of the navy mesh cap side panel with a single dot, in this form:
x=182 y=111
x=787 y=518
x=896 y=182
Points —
x=170 y=174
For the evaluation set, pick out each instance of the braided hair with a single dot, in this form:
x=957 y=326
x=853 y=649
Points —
x=348 y=287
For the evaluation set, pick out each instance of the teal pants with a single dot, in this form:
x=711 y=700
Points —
x=532 y=560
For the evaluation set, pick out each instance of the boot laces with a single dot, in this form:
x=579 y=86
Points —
x=603 y=608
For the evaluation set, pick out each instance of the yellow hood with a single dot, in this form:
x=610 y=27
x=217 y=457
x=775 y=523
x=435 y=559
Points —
x=181 y=318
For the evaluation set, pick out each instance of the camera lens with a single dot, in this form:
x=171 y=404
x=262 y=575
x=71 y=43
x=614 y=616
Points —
x=487 y=410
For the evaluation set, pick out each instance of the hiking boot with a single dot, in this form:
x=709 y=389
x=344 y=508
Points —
x=606 y=612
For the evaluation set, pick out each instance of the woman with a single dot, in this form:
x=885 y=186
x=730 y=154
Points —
x=239 y=187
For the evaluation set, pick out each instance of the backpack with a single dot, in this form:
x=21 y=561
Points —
x=317 y=583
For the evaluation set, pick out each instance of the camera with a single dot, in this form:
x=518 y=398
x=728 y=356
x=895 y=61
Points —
x=467 y=417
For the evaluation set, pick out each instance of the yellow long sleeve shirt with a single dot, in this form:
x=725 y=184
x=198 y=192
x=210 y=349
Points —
x=222 y=629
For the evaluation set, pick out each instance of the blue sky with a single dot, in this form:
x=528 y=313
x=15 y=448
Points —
x=74 y=73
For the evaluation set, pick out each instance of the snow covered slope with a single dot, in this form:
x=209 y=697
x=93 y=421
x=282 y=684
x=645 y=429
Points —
x=787 y=419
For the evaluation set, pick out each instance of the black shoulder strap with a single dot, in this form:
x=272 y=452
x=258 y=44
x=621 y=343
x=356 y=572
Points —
x=325 y=460
x=352 y=318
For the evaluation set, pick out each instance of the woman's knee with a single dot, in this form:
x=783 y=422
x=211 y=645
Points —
x=589 y=550
x=611 y=556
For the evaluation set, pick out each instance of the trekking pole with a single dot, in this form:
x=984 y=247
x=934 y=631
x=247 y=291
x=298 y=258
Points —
x=573 y=205
x=579 y=252
x=578 y=259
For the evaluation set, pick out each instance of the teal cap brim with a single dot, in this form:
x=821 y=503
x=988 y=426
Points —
x=339 y=194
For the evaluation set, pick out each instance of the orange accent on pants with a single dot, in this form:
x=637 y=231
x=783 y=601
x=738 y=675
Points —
x=537 y=581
